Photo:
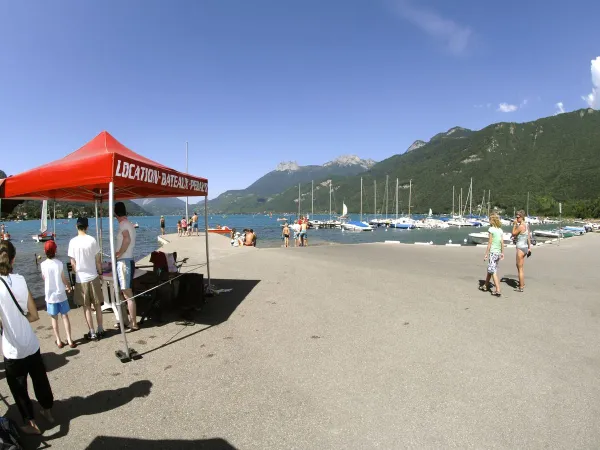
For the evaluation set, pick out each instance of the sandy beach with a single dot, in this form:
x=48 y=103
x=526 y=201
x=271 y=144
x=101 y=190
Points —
x=346 y=346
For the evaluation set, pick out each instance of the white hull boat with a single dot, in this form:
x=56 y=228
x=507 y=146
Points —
x=356 y=226
x=483 y=238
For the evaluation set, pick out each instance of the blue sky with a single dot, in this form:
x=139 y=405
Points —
x=252 y=83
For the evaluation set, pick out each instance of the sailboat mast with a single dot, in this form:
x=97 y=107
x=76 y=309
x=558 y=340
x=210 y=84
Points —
x=387 y=177
x=409 y=197
x=330 y=200
x=489 y=199
x=471 y=198
x=299 y=200
x=460 y=206
x=361 y=189
x=396 y=198
x=527 y=203
x=375 y=199
x=453 y=201
x=54 y=219
x=312 y=198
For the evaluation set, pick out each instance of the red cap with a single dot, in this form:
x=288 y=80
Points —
x=50 y=247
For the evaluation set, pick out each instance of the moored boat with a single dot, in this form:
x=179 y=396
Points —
x=355 y=225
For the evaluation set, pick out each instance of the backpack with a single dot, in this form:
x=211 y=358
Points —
x=9 y=435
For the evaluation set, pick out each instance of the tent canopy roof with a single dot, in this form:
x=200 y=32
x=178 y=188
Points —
x=85 y=174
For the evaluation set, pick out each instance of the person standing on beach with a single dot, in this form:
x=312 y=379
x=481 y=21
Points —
x=56 y=287
x=304 y=233
x=87 y=264
x=286 y=235
x=184 y=226
x=296 y=228
x=125 y=263
x=179 y=228
x=494 y=254
x=195 y=224
x=162 y=225
x=20 y=345
x=520 y=234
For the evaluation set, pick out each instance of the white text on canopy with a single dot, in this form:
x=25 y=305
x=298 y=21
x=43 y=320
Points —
x=150 y=175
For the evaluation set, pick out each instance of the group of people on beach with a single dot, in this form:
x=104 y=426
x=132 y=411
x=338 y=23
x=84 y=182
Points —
x=521 y=236
x=245 y=239
x=20 y=345
x=299 y=230
x=183 y=227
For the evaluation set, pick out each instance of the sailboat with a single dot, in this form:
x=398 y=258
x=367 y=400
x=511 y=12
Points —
x=44 y=235
x=356 y=225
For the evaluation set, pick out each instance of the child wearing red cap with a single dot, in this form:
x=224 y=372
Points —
x=56 y=284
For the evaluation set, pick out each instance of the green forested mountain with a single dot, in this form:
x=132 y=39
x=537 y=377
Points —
x=556 y=159
x=32 y=209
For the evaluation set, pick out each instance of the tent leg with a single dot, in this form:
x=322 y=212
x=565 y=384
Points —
x=208 y=287
x=128 y=355
x=97 y=230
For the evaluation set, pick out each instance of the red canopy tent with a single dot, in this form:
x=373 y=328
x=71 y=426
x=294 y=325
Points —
x=85 y=174
x=104 y=169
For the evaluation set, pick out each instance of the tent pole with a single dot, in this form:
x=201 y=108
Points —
x=209 y=289
x=116 y=308
x=97 y=229
x=54 y=221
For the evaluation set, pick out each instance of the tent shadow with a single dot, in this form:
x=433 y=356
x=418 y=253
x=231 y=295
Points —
x=69 y=409
x=216 y=310
x=117 y=443
x=52 y=361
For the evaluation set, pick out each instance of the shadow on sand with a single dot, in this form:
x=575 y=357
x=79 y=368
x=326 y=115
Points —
x=118 y=443
x=512 y=282
x=71 y=408
x=216 y=310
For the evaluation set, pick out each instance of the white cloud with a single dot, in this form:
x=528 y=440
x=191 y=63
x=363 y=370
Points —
x=455 y=37
x=593 y=98
x=560 y=108
x=506 y=108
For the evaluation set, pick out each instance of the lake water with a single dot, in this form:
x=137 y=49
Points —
x=267 y=228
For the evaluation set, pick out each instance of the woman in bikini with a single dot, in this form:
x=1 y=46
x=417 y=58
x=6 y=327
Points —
x=520 y=234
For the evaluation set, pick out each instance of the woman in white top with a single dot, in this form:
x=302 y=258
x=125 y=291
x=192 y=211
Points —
x=20 y=345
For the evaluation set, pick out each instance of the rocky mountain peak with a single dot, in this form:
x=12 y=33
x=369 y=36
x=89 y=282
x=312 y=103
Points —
x=415 y=145
x=287 y=166
x=350 y=160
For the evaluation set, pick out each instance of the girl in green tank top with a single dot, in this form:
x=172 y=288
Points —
x=493 y=254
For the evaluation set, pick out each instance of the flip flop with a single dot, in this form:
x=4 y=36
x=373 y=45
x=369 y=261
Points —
x=519 y=289
x=483 y=289
x=496 y=294
x=73 y=345
x=59 y=344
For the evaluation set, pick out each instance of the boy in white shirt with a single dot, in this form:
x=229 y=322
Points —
x=55 y=284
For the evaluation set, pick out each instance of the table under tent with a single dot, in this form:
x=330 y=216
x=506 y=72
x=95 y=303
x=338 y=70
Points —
x=104 y=170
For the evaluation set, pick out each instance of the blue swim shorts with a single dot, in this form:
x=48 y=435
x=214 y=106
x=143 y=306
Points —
x=58 y=308
x=125 y=271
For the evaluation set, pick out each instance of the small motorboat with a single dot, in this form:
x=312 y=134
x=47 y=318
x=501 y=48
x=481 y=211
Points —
x=555 y=234
x=136 y=225
x=356 y=226
x=483 y=238
x=220 y=230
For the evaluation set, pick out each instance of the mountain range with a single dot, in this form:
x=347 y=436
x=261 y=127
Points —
x=259 y=195
x=555 y=159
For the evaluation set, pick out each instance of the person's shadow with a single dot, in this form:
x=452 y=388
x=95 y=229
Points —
x=512 y=282
x=66 y=410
